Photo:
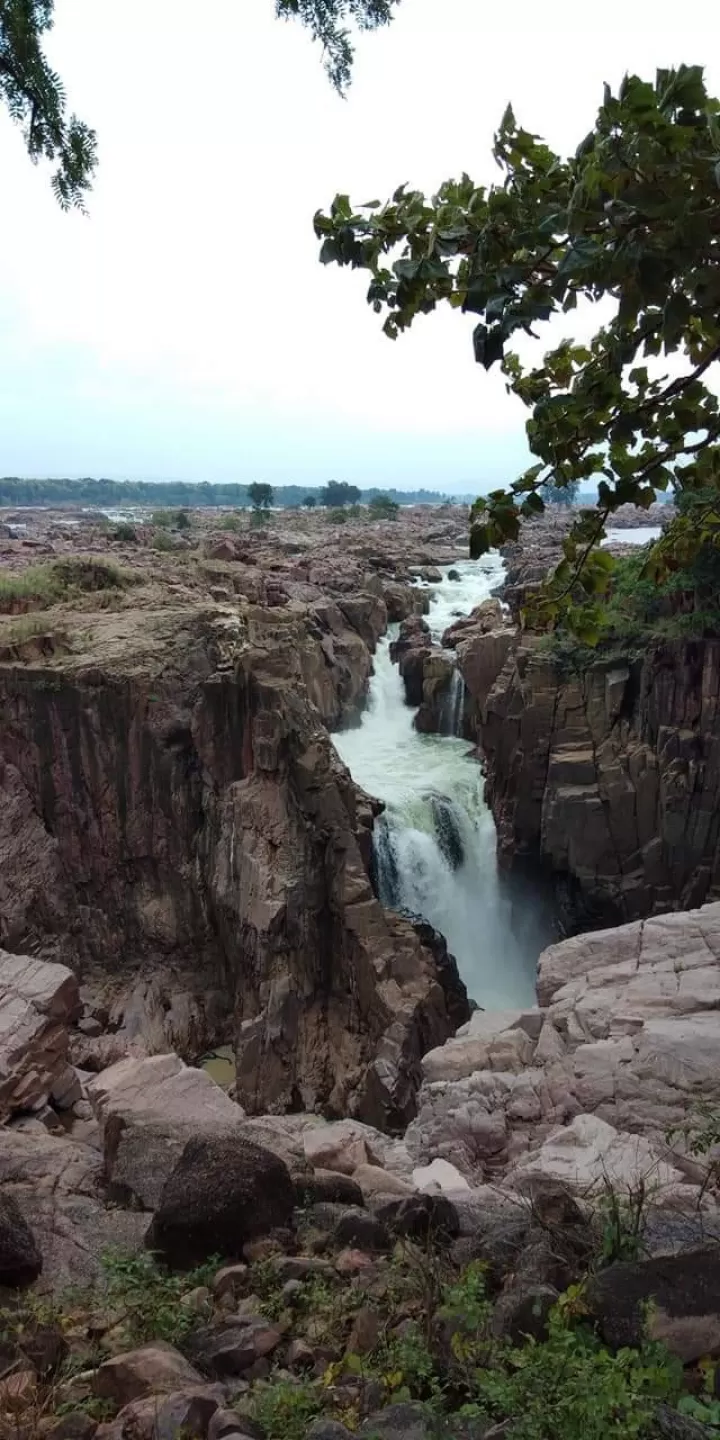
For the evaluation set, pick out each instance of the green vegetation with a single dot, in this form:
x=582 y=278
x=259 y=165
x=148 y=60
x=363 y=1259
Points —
x=337 y=517
x=171 y=520
x=233 y=522
x=629 y=219
x=39 y=586
x=260 y=495
x=338 y=493
x=309 y=502
x=124 y=494
x=565 y=1387
x=383 y=507
x=125 y=533
x=149 y=1298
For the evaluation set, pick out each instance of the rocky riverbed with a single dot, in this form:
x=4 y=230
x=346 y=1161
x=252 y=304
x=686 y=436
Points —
x=185 y=863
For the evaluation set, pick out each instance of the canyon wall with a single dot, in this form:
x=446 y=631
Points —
x=173 y=810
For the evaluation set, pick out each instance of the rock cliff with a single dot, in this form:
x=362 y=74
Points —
x=172 y=803
x=610 y=777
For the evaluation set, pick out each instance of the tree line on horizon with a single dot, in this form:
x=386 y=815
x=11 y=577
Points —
x=15 y=491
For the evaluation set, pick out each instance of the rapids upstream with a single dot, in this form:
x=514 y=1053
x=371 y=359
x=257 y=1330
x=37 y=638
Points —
x=435 y=842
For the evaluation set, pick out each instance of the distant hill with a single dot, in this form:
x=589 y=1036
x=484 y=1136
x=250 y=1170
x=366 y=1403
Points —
x=120 y=494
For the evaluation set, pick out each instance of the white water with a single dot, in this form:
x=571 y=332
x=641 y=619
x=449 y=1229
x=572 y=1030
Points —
x=433 y=790
x=640 y=535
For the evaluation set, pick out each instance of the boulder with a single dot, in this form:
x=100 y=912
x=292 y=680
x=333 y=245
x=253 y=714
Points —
x=421 y=1217
x=223 y=1192
x=148 y=1108
x=328 y=1185
x=366 y=1232
x=222 y=1351
x=673 y=1298
x=20 y=1258
x=151 y=1370
x=38 y=1001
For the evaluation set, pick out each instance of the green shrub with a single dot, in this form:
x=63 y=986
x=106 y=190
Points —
x=285 y=1409
x=233 y=521
x=40 y=586
x=163 y=542
x=570 y=1387
x=149 y=1298
x=162 y=519
x=125 y=532
x=337 y=517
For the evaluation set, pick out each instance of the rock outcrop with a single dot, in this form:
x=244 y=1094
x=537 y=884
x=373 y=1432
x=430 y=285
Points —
x=623 y=1051
x=172 y=801
x=37 y=1003
x=610 y=777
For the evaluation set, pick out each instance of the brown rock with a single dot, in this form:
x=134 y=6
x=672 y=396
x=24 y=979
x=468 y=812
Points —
x=151 y=1370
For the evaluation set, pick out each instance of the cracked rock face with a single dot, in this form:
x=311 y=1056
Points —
x=180 y=808
x=623 y=1048
x=610 y=778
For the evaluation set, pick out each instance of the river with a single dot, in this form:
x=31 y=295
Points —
x=435 y=844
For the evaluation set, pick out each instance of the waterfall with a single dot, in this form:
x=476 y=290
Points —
x=434 y=845
x=451 y=714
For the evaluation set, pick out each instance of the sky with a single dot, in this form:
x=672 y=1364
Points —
x=184 y=329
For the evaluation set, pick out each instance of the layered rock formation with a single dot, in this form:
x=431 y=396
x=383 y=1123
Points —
x=610 y=777
x=601 y=1081
x=171 y=799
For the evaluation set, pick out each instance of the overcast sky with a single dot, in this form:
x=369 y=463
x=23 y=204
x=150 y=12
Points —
x=184 y=329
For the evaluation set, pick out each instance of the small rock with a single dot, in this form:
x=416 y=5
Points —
x=150 y=1370
x=301 y=1267
x=77 y=1426
x=45 y=1348
x=440 y=1175
x=421 y=1217
x=669 y=1425
x=233 y=1347
x=184 y=1414
x=523 y=1311
x=229 y=1280
x=90 y=1027
x=20 y=1257
x=357 y=1227
x=229 y=1425
x=197 y=1299
x=18 y=1390
x=351 y=1262
x=328 y=1185
x=300 y=1355
x=398 y=1422
x=264 y=1249
x=291 y=1289
x=328 y=1430
x=364 y=1333
x=373 y=1180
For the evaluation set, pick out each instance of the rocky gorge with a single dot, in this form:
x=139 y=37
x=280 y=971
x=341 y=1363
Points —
x=186 y=862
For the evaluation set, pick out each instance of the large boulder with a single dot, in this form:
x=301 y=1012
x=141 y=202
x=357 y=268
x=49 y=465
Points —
x=151 y=1370
x=671 y=1298
x=38 y=1001
x=20 y=1257
x=223 y=1192
x=148 y=1109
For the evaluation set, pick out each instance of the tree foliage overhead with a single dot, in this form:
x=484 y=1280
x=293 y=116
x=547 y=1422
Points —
x=35 y=97
x=632 y=219
x=326 y=21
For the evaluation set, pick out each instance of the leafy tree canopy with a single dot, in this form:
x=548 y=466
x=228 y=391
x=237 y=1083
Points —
x=309 y=502
x=327 y=22
x=632 y=219
x=338 y=493
x=260 y=495
x=35 y=97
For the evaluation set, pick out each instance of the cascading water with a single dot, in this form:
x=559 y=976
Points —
x=435 y=842
x=451 y=716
